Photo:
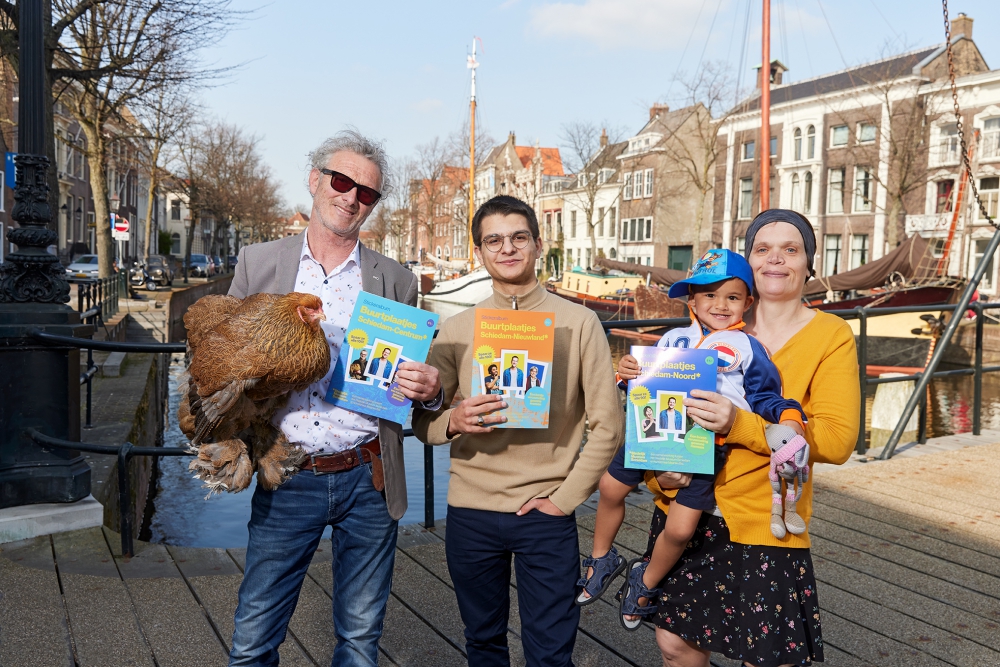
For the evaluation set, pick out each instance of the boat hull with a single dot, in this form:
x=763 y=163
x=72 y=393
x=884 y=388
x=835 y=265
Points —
x=467 y=290
x=918 y=296
x=605 y=307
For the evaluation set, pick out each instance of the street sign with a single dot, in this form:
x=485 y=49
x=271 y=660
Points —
x=120 y=228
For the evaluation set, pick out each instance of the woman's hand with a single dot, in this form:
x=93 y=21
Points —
x=673 y=480
x=465 y=418
x=711 y=410
x=628 y=368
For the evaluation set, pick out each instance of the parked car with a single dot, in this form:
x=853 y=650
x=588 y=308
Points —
x=160 y=270
x=220 y=268
x=201 y=266
x=83 y=267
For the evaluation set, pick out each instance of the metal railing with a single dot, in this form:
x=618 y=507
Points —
x=126 y=451
x=102 y=293
x=977 y=369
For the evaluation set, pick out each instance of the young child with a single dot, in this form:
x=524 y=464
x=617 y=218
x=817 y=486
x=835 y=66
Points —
x=719 y=292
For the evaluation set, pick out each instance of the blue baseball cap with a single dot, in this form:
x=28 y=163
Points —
x=714 y=266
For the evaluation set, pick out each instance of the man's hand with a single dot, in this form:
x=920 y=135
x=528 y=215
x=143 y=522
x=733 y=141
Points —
x=711 y=410
x=419 y=382
x=465 y=417
x=543 y=505
x=628 y=368
x=673 y=480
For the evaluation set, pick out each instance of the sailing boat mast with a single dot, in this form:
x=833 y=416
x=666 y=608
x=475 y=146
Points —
x=765 y=111
x=472 y=65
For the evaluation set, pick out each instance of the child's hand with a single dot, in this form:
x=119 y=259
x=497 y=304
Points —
x=628 y=368
x=795 y=426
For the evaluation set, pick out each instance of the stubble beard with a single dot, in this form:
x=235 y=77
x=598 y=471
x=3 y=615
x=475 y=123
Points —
x=350 y=232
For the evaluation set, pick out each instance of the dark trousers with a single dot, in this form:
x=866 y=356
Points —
x=479 y=546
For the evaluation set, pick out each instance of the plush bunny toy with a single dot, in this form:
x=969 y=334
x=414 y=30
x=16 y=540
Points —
x=789 y=462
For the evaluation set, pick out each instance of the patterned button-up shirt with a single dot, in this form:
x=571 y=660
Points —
x=307 y=419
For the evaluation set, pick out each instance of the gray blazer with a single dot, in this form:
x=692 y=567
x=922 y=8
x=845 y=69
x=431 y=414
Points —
x=271 y=268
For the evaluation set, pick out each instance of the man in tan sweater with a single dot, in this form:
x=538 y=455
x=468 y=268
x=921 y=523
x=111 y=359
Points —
x=513 y=492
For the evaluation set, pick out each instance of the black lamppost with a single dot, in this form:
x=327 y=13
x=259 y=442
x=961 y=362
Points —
x=39 y=384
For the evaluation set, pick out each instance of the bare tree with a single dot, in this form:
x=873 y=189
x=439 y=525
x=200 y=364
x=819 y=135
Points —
x=590 y=153
x=162 y=117
x=102 y=56
x=430 y=187
x=690 y=143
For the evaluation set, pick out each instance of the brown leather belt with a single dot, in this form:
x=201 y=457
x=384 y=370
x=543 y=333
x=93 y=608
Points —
x=349 y=460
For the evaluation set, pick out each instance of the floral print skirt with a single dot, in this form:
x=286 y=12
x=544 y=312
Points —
x=752 y=603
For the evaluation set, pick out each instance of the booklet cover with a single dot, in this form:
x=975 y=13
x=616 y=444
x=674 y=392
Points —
x=382 y=333
x=512 y=356
x=658 y=433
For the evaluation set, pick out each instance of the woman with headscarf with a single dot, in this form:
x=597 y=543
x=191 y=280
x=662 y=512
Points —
x=738 y=590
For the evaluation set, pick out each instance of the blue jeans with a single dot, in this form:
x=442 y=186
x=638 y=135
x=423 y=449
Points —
x=479 y=545
x=285 y=527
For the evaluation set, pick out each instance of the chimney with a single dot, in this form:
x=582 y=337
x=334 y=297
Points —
x=604 y=138
x=962 y=25
x=512 y=139
x=657 y=109
x=777 y=68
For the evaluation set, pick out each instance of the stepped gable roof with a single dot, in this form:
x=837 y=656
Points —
x=880 y=70
x=551 y=159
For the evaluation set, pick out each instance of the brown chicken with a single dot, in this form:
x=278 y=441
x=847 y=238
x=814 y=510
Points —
x=246 y=355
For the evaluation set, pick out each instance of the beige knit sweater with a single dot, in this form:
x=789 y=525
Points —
x=502 y=470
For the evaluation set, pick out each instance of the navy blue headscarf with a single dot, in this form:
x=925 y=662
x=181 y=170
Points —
x=791 y=217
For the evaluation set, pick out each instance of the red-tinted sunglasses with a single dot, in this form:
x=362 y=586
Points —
x=342 y=183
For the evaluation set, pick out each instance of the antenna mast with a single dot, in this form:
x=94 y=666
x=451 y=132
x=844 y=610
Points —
x=472 y=65
x=765 y=111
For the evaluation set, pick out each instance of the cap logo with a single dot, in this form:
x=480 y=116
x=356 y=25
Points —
x=709 y=261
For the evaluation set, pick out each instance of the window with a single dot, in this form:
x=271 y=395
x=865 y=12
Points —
x=559 y=229
x=612 y=253
x=807 y=193
x=625 y=224
x=572 y=224
x=831 y=255
x=548 y=226
x=942 y=201
x=637 y=185
x=632 y=225
x=810 y=142
x=978 y=250
x=600 y=221
x=989 y=189
x=866 y=133
x=587 y=264
x=649 y=228
x=175 y=209
x=774 y=146
x=838 y=136
x=628 y=186
x=611 y=222
x=948 y=150
x=679 y=257
x=991 y=138
x=741 y=244
x=649 y=182
x=748 y=150
x=836 y=199
x=859 y=250
x=798 y=143
x=746 y=197
x=569 y=259
x=862 y=189
x=175 y=244
x=796 y=193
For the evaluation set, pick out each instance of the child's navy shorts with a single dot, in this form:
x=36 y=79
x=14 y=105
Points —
x=699 y=494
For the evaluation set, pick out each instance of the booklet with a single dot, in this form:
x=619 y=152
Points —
x=382 y=333
x=658 y=433
x=512 y=357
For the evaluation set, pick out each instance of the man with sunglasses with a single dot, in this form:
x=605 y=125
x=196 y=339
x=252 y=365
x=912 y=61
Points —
x=353 y=479
x=513 y=492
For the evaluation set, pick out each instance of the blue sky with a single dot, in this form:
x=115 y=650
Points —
x=397 y=70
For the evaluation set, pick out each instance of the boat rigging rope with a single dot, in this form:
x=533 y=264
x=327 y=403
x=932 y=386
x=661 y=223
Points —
x=958 y=117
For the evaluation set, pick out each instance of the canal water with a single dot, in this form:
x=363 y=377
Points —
x=180 y=514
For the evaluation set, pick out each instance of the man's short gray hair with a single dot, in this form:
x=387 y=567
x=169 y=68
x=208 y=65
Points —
x=352 y=141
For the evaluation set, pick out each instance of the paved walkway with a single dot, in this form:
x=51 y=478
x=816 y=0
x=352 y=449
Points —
x=907 y=556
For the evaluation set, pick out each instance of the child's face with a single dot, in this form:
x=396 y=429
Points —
x=720 y=305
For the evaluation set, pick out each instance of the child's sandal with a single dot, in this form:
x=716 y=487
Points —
x=606 y=569
x=631 y=591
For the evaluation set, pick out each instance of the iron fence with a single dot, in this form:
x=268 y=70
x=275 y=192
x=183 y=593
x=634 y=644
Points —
x=126 y=451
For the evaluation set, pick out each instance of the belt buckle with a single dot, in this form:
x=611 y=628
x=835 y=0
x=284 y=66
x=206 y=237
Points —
x=312 y=459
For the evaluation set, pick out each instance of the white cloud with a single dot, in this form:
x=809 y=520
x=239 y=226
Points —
x=653 y=24
x=427 y=105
